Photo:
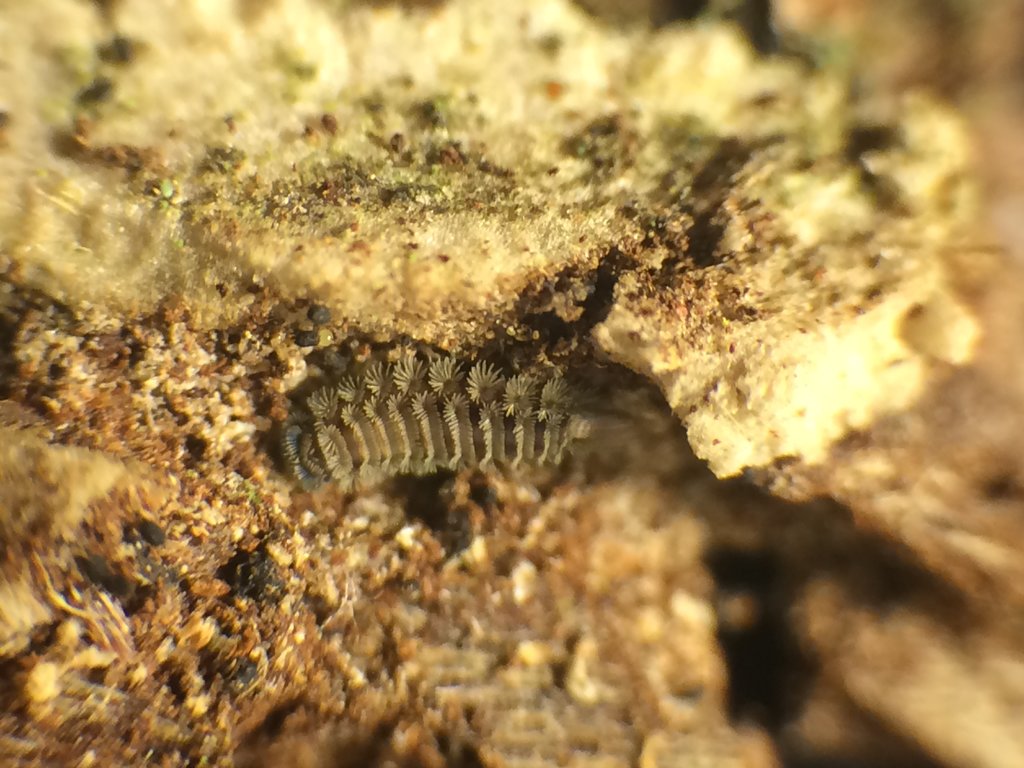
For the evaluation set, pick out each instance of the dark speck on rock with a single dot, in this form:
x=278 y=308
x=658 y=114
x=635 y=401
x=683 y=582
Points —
x=120 y=50
x=95 y=568
x=241 y=674
x=251 y=574
x=319 y=314
x=305 y=338
x=98 y=90
x=151 y=533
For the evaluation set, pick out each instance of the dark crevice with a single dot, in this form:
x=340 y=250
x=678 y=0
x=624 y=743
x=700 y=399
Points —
x=274 y=722
x=754 y=17
x=195 y=446
x=1003 y=487
x=570 y=303
x=459 y=753
x=428 y=500
x=8 y=364
x=705 y=237
x=761 y=591
x=876 y=137
x=700 y=243
x=17 y=309
x=768 y=675
x=551 y=328
x=252 y=575
x=683 y=10
x=771 y=678
x=99 y=571
x=867 y=138
x=599 y=303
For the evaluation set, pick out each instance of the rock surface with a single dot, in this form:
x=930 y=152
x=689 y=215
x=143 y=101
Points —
x=206 y=206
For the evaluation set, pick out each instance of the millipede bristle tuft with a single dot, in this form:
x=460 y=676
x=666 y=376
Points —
x=555 y=400
x=408 y=373
x=485 y=383
x=323 y=403
x=445 y=376
x=378 y=377
x=419 y=416
x=349 y=389
x=519 y=396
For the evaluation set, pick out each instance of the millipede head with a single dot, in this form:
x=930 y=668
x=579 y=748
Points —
x=301 y=456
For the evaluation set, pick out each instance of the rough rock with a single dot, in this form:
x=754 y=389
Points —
x=792 y=266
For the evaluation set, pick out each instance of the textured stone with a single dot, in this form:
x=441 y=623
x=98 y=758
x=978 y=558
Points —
x=664 y=215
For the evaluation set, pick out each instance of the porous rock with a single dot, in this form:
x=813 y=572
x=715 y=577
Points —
x=768 y=248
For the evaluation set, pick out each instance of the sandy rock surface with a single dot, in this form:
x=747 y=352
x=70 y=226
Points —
x=745 y=265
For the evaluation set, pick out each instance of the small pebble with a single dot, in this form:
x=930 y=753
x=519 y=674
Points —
x=305 y=338
x=151 y=532
x=319 y=314
x=120 y=50
x=98 y=90
x=95 y=568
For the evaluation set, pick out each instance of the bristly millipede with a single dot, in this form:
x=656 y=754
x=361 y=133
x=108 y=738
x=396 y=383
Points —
x=419 y=415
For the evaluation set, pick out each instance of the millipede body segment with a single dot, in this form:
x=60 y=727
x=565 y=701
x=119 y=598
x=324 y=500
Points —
x=420 y=415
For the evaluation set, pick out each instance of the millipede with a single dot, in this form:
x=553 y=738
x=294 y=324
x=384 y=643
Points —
x=422 y=414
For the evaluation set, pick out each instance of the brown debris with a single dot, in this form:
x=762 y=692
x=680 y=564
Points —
x=792 y=268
